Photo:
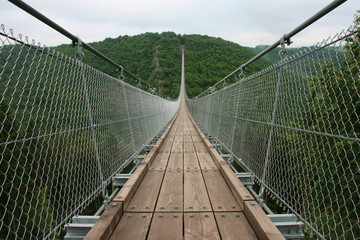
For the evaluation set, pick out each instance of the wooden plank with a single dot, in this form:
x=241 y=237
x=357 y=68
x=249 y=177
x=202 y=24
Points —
x=107 y=222
x=205 y=160
x=233 y=225
x=201 y=134
x=190 y=160
x=166 y=147
x=186 y=132
x=238 y=189
x=220 y=195
x=179 y=132
x=176 y=161
x=188 y=144
x=132 y=226
x=165 y=226
x=146 y=195
x=216 y=157
x=127 y=192
x=195 y=195
x=169 y=138
x=178 y=144
x=160 y=162
x=195 y=136
x=262 y=225
x=200 y=226
x=190 y=157
x=188 y=139
x=171 y=193
x=199 y=146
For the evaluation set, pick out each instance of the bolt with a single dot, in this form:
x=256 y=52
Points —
x=161 y=207
x=114 y=204
x=252 y=204
x=161 y=216
x=233 y=207
x=146 y=207
x=222 y=215
x=129 y=216
x=237 y=215
x=204 y=207
x=133 y=207
x=176 y=207
x=120 y=197
x=219 y=207
x=191 y=215
x=191 y=207
x=175 y=216
x=206 y=215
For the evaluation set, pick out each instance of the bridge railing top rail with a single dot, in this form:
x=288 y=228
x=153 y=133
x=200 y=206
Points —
x=76 y=41
x=285 y=39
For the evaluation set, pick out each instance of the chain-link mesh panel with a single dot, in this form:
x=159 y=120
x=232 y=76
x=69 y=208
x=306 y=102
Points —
x=66 y=129
x=296 y=126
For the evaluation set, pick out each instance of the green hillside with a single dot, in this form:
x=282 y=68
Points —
x=156 y=58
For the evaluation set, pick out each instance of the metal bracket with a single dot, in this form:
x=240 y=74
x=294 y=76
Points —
x=287 y=225
x=246 y=178
x=120 y=179
x=80 y=226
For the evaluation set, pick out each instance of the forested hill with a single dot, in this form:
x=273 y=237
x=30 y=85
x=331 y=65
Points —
x=156 y=58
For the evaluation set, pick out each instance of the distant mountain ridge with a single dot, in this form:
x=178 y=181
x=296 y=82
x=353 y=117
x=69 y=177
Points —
x=155 y=58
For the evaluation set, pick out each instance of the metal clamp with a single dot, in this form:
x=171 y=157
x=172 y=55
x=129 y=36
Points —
x=283 y=53
x=79 y=55
x=121 y=76
x=241 y=74
x=224 y=83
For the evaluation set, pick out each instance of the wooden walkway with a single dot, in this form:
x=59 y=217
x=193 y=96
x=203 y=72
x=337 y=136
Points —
x=183 y=190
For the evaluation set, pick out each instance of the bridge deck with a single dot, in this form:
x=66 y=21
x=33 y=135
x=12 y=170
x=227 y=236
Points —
x=183 y=189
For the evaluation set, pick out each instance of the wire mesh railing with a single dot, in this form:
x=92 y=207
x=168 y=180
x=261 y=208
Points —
x=65 y=130
x=296 y=127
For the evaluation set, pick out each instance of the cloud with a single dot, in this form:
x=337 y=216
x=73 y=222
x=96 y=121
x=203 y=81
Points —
x=245 y=22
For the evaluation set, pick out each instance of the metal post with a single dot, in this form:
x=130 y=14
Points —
x=79 y=58
x=236 y=114
x=262 y=187
x=121 y=77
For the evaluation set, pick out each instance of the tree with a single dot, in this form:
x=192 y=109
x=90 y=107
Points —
x=332 y=161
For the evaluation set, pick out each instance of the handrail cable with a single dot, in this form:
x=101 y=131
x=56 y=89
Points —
x=284 y=39
x=75 y=40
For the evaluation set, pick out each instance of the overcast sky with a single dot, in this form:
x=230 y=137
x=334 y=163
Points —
x=247 y=22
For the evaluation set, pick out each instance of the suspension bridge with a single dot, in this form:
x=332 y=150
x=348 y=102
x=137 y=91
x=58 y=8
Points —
x=210 y=167
x=179 y=190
